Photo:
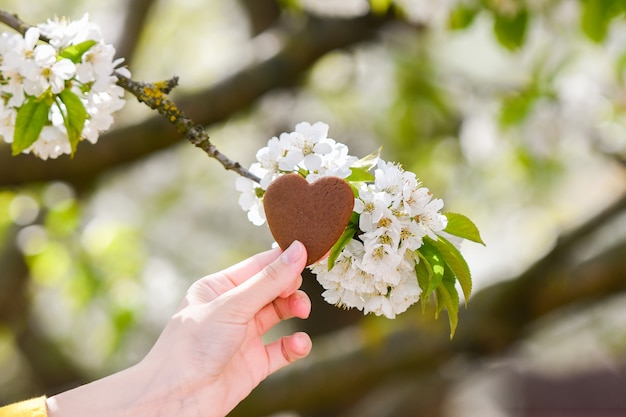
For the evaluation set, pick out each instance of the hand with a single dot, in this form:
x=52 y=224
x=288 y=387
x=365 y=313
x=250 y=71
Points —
x=210 y=355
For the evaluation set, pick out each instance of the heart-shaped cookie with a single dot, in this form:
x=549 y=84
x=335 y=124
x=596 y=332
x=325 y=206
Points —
x=316 y=214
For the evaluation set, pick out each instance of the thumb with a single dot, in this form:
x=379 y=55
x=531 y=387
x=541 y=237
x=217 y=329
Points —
x=278 y=279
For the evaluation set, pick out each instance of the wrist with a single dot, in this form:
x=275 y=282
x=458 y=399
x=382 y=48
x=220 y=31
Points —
x=138 y=391
x=121 y=395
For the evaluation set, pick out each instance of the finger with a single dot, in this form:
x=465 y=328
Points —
x=247 y=268
x=211 y=286
x=297 y=304
x=280 y=278
x=287 y=349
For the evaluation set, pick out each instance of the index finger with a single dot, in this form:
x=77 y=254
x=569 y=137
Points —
x=279 y=278
x=211 y=286
x=242 y=271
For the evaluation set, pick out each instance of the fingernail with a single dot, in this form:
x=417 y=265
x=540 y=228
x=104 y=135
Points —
x=293 y=253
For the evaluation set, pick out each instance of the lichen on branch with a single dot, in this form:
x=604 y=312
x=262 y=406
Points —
x=155 y=96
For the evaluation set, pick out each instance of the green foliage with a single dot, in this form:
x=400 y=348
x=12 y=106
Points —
x=454 y=262
x=517 y=105
x=424 y=272
x=6 y=197
x=461 y=226
x=597 y=15
x=380 y=6
x=437 y=267
x=368 y=162
x=290 y=4
x=447 y=297
x=462 y=16
x=422 y=114
x=75 y=52
x=361 y=169
x=74 y=116
x=346 y=237
x=32 y=117
x=30 y=121
x=359 y=175
x=63 y=220
x=510 y=30
x=441 y=266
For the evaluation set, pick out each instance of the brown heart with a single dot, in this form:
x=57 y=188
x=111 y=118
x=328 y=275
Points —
x=316 y=214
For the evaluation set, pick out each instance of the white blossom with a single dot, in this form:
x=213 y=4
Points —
x=46 y=71
x=375 y=271
x=51 y=143
x=18 y=51
x=7 y=123
x=63 y=32
x=30 y=68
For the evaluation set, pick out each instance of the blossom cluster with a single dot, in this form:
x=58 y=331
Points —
x=307 y=150
x=375 y=271
x=72 y=71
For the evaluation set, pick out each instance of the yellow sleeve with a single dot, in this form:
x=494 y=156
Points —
x=35 y=407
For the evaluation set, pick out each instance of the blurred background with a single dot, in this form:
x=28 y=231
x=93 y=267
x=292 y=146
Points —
x=512 y=111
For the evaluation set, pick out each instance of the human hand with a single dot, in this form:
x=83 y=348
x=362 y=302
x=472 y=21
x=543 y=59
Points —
x=211 y=353
x=213 y=344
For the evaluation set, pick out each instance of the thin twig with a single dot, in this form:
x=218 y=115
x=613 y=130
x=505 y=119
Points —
x=154 y=95
x=14 y=22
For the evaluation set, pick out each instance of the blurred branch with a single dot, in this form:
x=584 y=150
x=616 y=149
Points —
x=49 y=367
x=497 y=318
x=262 y=14
x=304 y=46
x=134 y=23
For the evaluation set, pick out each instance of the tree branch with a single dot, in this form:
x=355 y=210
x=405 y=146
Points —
x=14 y=22
x=134 y=21
x=154 y=95
x=262 y=14
x=49 y=369
x=215 y=104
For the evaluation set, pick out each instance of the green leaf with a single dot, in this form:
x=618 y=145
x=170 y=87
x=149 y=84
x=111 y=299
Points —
x=74 y=117
x=360 y=174
x=461 y=226
x=455 y=263
x=75 y=52
x=424 y=273
x=437 y=265
x=517 y=106
x=290 y=4
x=511 y=30
x=380 y=6
x=595 y=18
x=447 y=297
x=30 y=121
x=620 y=68
x=361 y=168
x=344 y=239
x=368 y=162
x=461 y=17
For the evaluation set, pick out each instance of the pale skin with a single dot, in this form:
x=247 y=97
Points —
x=210 y=355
